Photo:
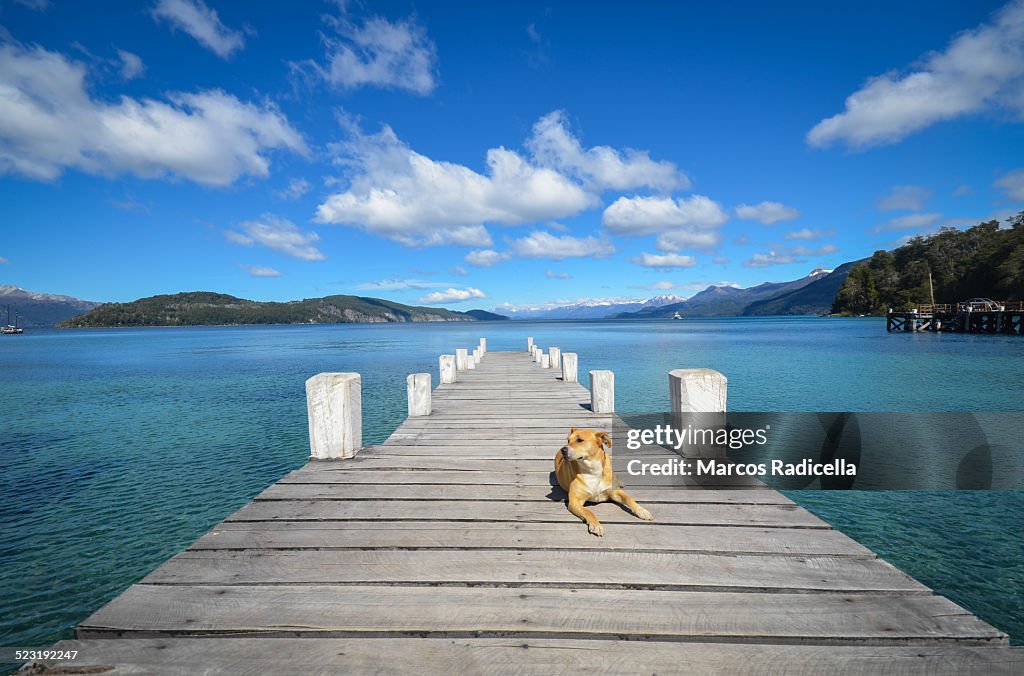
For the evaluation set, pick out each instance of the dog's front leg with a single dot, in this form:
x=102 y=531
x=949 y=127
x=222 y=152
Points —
x=576 y=500
x=623 y=498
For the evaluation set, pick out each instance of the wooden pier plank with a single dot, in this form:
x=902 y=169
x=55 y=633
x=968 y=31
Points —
x=258 y=657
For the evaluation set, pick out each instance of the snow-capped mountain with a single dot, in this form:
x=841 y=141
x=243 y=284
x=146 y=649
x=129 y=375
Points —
x=590 y=308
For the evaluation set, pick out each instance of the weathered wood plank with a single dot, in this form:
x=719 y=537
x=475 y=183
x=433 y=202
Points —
x=506 y=493
x=348 y=611
x=434 y=535
x=258 y=657
x=680 y=571
x=786 y=516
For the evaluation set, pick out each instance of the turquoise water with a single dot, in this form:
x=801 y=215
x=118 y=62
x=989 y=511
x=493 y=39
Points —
x=118 y=448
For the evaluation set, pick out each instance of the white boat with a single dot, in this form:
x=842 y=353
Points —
x=677 y=316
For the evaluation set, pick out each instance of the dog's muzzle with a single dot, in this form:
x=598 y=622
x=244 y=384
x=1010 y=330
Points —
x=566 y=453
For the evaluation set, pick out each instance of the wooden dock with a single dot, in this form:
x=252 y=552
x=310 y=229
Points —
x=1006 y=318
x=446 y=549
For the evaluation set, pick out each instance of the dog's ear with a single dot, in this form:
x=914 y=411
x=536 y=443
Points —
x=572 y=431
x=604 y=439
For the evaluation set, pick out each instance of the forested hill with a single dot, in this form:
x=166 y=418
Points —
x=206 y=308
x=984 y=261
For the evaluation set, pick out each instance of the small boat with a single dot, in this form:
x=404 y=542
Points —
x=11 y=329
x=677 y=316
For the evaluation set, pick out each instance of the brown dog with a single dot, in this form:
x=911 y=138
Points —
x=584 y=471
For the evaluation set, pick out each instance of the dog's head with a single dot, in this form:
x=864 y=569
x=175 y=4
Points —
x=585 y=444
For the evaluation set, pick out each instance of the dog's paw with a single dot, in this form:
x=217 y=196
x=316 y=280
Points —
x=596 y=529
x=642 y=513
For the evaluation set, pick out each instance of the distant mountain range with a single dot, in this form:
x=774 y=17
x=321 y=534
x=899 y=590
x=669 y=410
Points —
x=39 y=309
x=589 y=309
x=810 y=295
x=198 y=308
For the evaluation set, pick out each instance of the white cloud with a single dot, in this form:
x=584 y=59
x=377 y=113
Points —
x=131 y=65
x=904 y=197
x=981 y=69
x=662 y=286
x=963 y=191
x=49 y=122
x=458 y=270
x=541 y=244
x=808 y=234
x=601 y=167
x=202 y=23
x=721 y=260
x=664 y=261
x=909 y=221
x=649 y=215
x=259 y=271
x=780 y=255
x=397 y=193
x=452 y=296
x=766 y=212
x=1012 y=185
x=4 y=261
x=278 y=234
x=678 y=240
x=296 y=188
x=378 y=53
x=485 y=258
x=551 y=274
x=399 y=285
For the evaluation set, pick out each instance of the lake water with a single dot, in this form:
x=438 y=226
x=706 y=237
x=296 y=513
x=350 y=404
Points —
x=118 y=448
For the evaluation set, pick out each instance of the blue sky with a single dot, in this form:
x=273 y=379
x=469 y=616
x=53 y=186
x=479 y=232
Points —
x=475 y=155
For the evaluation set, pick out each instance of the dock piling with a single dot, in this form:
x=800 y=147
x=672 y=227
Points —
x=334 y=406
x=446 y=367
x=555 y=354
x=418 y=385
x=529 y=345
x=545 y=361
x=537 y=352
x=697 y=391
x=569 y=362
x=460 y=359
x=602 y=391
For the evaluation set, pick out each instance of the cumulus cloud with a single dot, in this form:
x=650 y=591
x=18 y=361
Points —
x=278 y=234
x=397 y=193
x=649 y=215
x=677 y=240
x=399 y=285
x=260 y=271
x=664 y=261
x=980 y=70
x=131 y=65
x=458 y=270
x=202 y=23
x=599 y=168
x=541 y=244
x=551 y=274
x=49 y=122
x=485 y=258
x=766 y=212
x=780 y=255
x=378 y=53
x=296 y=188
x=452 y=296
x=908 y=222
x=1012 y=185
x=904 y=197
x=808 y=234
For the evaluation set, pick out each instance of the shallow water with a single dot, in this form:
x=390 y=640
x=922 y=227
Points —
x=118 y=448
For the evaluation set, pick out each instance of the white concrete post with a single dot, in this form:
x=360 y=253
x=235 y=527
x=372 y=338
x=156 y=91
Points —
x=697 y=391
x=537 y=354
x=529 y=345
x=460 y=359
x=602 y=391
x=556 y=357
x=483 y=346
x=471 y=362
x=334 y=405
x=569 y=368
x=446 y=366
x=419 y=394
x=697 y=398
x=545 y=361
